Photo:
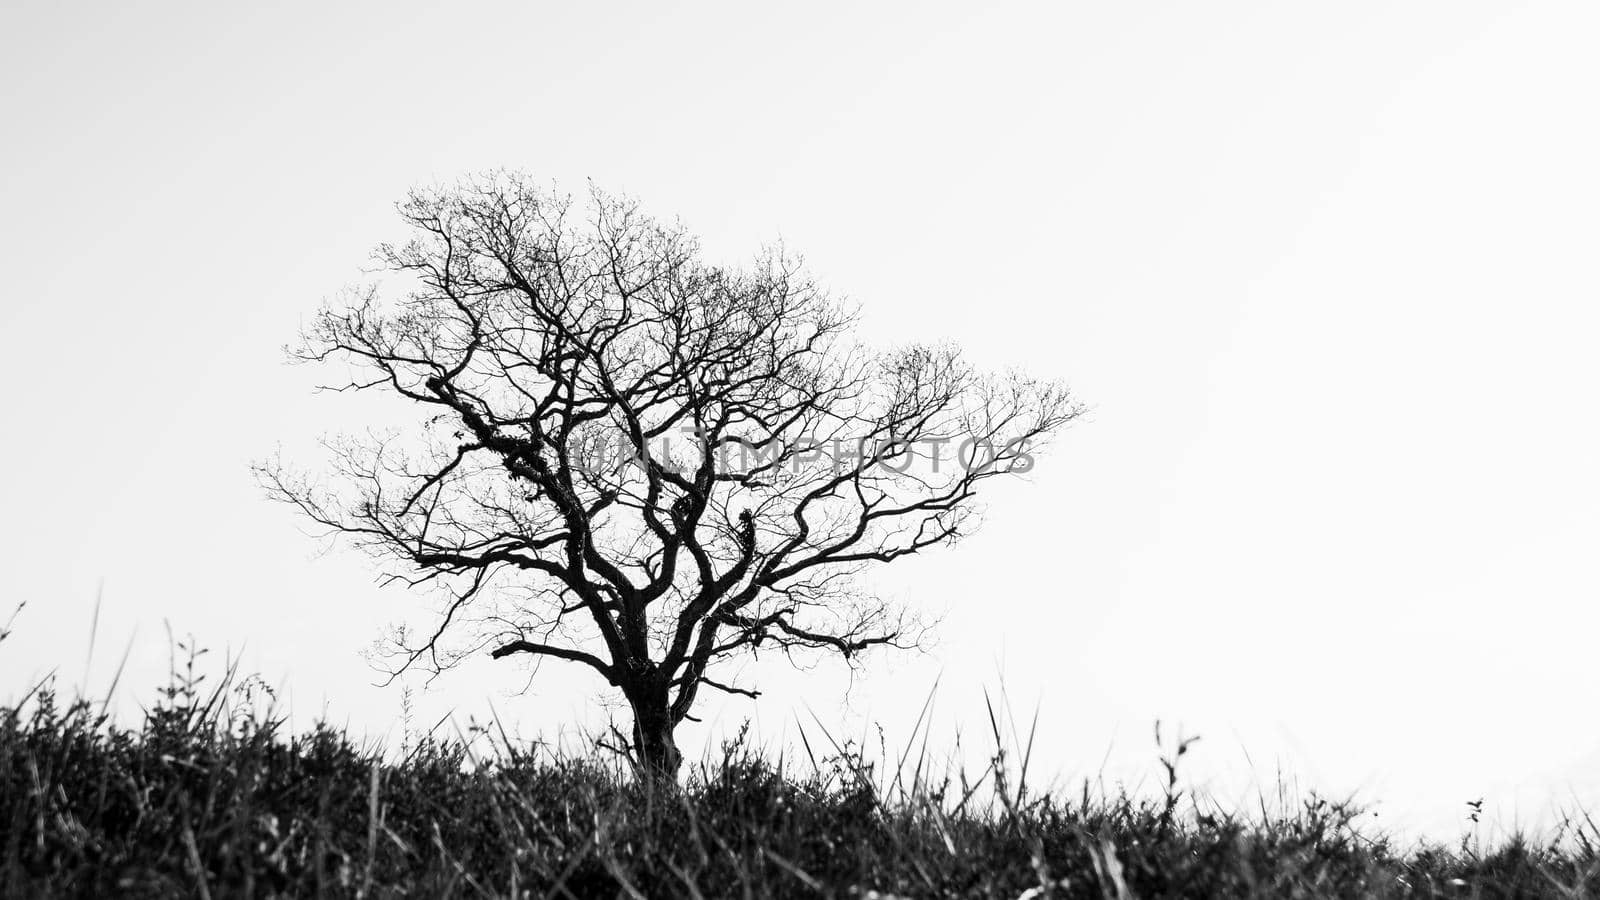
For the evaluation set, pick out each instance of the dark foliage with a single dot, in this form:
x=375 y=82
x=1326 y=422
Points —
x=204 y=800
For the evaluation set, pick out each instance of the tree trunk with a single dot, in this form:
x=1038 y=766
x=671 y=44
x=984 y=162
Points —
x=653 y=744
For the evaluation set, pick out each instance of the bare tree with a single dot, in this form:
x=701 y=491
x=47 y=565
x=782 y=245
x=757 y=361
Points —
x=634 y=460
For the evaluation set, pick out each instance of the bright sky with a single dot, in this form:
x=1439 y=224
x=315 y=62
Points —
x=1326 y=275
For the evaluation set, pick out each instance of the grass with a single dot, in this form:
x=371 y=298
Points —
x=206 y=798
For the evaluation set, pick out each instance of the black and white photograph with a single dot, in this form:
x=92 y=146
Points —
x=747 y=450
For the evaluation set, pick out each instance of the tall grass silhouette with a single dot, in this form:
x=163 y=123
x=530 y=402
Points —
x=210 y=794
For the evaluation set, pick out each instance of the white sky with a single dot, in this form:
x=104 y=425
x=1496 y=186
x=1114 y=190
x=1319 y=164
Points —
x=1325 y=274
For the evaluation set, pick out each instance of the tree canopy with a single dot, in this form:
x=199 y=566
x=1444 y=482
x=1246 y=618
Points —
x=630 y=458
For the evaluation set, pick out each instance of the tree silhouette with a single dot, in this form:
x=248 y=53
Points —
x=634 y=460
